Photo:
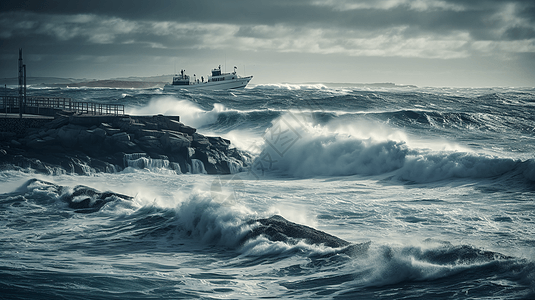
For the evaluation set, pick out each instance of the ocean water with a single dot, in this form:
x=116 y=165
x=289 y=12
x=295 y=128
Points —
x=439 y=181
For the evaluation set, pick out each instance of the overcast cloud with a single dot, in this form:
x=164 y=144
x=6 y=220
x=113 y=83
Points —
x=440 y=43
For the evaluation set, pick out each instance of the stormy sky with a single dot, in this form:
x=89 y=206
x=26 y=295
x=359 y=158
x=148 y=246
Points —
x=424 y=43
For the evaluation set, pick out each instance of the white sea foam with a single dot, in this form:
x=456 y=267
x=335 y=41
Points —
x=302 y=150
x=289 y=86
x=387 y=264
x=190 y=113
x=425 y=167
x=142 y=162
x=210 y=221
x=197 y=167
x=183 y=231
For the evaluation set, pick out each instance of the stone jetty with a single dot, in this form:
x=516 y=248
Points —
x=86 y=144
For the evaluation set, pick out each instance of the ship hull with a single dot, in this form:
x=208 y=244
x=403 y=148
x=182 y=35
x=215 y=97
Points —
x=238 y=83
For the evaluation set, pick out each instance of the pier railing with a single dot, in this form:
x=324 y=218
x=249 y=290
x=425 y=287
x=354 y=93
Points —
x=36 y=104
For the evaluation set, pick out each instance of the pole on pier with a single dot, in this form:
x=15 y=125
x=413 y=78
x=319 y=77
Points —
x=23 y=108
x=21 y=71
x=5 y=99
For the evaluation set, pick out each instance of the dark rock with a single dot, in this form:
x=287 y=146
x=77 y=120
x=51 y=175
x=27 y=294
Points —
x=120 y=137
x=41 y=143
x=87 y=200
x=213 y=161
x=219 y=142
x=134 y=127
x=7 y=135
x=68 y=135
x=151 y=144
x=127 y=146
x=200 y=141
x=177 y=126
x=83 y=144
x=174 y=142
x=112 y=131
x=98 y=132
x=82 y=199
x=58 y=122
x=152 y=126
x=278 y=229
x=149 y=132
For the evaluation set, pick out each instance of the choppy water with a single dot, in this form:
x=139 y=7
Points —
x=441 y=181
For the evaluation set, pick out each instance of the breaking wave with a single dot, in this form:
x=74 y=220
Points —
x=290 y=87
x=301 y=150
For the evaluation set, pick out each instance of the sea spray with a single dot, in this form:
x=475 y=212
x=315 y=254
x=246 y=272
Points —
x=196 y=167
x=298 y=148
x=142 y=161
x=190 y=113
x=454 y=219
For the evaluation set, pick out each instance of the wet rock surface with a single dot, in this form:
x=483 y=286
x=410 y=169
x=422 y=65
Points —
x=82 y=199
x=88 y=144
x=277 y=228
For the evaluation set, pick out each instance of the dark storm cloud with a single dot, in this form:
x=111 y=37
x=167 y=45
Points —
x=430 y=29
x=430 y=16
x=205 y=11
x=519 y=33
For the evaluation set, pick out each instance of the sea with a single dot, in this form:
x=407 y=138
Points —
x=438 y=181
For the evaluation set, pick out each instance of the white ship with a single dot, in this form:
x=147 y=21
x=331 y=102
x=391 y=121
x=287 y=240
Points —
x=218 y=81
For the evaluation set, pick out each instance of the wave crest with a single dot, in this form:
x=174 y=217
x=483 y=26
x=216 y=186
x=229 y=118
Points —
x=190 y=113
x=290 y=87
x=301 y=150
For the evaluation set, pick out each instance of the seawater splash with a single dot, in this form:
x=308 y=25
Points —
x=235 y=167
x=163 y=165
x=142 y=161
x=395 y=265
x=302 y=149
x=290 y=87
x=439 y=181
x=196 y=167
x=190 y=113
x=198 y=215
x=210 y=221
x=429 y=166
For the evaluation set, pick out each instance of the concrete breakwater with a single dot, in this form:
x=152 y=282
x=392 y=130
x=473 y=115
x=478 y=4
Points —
x=11 y=125
x=87 y=144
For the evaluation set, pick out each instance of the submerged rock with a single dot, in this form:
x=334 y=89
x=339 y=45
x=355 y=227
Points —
x=278 y=229
x=87 y=200
x=82 y=199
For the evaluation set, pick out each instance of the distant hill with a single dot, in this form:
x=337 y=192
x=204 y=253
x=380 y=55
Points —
x=42 y=80
x=129 y=82
x=150 y=82
x=113 y=84
x=159 y=78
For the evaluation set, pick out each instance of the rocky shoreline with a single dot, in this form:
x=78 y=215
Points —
x=82 y=144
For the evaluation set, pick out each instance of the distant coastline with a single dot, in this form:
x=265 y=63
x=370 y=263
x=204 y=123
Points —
x=348 y=84
x=112 y=84
x=130 y=82
x=152 y=82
